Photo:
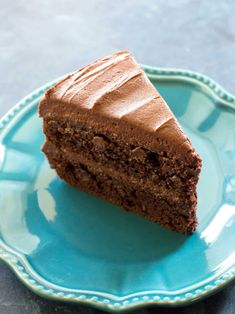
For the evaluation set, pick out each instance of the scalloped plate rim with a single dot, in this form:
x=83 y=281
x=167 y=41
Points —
x=102 y=300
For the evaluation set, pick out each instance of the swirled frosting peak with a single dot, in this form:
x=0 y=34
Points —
x=117 y=89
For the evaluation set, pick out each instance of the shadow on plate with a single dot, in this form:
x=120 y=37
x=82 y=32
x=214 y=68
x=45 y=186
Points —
x=98 y=228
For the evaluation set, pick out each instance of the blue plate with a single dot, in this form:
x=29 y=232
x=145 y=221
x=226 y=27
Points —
x=68 y=245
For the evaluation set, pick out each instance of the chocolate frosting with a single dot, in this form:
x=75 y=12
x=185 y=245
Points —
x=115 y=95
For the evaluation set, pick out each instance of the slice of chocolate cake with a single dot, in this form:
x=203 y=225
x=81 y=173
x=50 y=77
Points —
x=110 y=133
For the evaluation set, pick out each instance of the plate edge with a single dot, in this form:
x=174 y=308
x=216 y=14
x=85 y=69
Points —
x=215 y=89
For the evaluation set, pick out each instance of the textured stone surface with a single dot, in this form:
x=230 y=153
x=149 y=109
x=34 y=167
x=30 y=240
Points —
x=41 y=40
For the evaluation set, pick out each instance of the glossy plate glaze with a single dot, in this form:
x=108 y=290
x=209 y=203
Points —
x=68 y=245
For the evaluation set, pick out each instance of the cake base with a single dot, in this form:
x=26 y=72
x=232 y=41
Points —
x=154 y=206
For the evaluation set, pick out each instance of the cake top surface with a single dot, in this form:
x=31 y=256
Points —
x=114 y=84
x=116 y=87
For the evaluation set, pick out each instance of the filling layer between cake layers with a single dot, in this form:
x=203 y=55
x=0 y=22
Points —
x=153 y=184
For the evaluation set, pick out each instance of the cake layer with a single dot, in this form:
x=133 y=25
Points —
x=166 y=211
x=158 y=167
x=169 y=194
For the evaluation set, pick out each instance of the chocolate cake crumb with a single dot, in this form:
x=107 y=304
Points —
x=139 y=154
x=99 y=143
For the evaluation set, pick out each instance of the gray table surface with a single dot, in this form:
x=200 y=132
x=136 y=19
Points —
x=41 y=40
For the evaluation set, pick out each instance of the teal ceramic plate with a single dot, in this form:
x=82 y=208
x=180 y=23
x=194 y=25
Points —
x=67 y=245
